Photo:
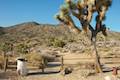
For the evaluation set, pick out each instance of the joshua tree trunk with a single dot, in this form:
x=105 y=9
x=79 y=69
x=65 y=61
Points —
x=98 y=67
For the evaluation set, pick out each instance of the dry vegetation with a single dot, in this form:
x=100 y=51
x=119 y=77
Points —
x=58 y=38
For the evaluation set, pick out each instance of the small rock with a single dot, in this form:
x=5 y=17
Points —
x=67 y=70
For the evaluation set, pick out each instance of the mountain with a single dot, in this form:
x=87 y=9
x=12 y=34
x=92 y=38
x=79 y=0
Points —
x=35 y=34
x=33 y=30
x=2 y=30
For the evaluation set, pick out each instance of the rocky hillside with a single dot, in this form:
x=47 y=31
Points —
x=32 y=30
x=34 y=35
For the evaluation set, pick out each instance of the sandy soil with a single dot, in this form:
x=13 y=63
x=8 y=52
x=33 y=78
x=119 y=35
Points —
x=52 y=73
x=73 y=76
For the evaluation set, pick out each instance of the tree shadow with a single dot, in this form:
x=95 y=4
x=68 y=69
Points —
x=43 y=73
x=53 y=65
x=107 y=69
x=3 y=76
x=8 y=75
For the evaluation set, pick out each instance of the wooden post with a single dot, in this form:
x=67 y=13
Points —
x=5 y=63
x=62 y=63
x=43 y=64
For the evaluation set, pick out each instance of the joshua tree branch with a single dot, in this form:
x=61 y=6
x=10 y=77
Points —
x=72 y=25
x=69 y=22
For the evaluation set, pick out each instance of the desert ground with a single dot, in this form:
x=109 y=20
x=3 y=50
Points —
x=79 y=72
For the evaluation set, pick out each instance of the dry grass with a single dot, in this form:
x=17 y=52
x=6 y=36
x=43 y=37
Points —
x=34 y=59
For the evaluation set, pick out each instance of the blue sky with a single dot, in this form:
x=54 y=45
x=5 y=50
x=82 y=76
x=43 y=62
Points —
x=17 y=11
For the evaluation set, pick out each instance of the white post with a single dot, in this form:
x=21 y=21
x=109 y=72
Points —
x=21 y=67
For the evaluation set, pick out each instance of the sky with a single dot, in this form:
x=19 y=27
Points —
x=42 y=11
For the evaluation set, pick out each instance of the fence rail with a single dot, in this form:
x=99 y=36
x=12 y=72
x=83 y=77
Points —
x=84 y=61
x=73 y=61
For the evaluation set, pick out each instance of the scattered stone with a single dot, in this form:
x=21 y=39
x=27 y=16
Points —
x=66 y=71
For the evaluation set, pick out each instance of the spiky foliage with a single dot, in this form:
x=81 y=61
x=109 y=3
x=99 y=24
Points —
x=83 y=10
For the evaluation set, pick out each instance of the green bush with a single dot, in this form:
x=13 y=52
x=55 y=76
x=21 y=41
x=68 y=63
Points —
x=56 y=42
x=22 y=48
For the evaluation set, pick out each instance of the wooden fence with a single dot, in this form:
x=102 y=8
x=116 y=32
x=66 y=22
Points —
x=90 y=61
x=76 y=61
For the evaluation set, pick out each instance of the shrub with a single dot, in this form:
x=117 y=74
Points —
x=22 y=48
x=56 y=42
x=34 y=59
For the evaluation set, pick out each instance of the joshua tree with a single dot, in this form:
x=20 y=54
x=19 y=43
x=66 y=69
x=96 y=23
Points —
x=83 y=10
x=5 y=48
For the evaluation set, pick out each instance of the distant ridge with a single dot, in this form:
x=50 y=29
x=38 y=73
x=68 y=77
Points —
x=2 y=30
x=1 y=27
x=33 y=23
x=26 y=23
x=42 y=32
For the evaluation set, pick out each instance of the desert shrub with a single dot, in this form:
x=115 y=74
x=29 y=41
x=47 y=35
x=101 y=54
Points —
x=86 y=73
x=22 y=48
x=34 y=59
x=56 y=42
x=71 y=40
